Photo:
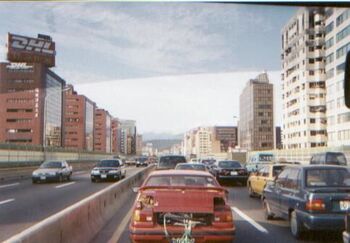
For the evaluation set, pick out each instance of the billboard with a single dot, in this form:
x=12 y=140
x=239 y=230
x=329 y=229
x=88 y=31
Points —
x=30 y=50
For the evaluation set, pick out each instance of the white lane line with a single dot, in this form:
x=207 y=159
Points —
x=66 y=184
x=121 y=227
x=8 y=185
x=7 y=201
x=250 y=220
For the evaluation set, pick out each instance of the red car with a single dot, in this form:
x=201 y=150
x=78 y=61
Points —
x=169 y=195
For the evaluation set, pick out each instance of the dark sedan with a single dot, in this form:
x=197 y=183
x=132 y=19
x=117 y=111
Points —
x=310 y=197
x=109 y=169
x=230 y=171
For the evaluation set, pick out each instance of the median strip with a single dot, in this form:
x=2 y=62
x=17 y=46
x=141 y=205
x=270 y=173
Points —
x=250 y=220
x=67 y=184
x=6 y=201
x=9 y=185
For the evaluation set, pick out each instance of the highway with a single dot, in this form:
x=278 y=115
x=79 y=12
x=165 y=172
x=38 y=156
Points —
x=249 y=219
x=23 y=204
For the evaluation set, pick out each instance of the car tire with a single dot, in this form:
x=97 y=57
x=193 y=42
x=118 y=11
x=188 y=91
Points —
x=295 y=226
x=93 y=180
x=68 y=177
x=267 y=210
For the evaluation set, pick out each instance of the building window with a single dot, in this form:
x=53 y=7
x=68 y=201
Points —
x=343 y=50
x=344 y=16
x=330 y=73
x=340 y=68
x=343 y=33
x=329 y=43
x=329 y=27
x=330 y=58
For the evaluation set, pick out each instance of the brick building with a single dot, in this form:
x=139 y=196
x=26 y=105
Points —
x=79 y=113
x=115 y=127
x=30 y=104
x=102 y=131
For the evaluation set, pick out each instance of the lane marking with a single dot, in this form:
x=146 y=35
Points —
x=66 y=184
x=8 y=185
x=250 y=220
x=121 y=227
x=7 y=201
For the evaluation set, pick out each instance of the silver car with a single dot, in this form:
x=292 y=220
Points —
x=52 y=171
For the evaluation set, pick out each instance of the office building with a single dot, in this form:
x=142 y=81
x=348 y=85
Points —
x=256 y=129
x=337 y=44
x=31 y=102
x=278 y=138
x=79 y=114
x=303 y=78
x=127 y=137
x=102 y=131
x=139 y=143
x=115 y=129
x=224 y=139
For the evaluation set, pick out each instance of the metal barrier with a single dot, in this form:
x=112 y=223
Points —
x=83 y=220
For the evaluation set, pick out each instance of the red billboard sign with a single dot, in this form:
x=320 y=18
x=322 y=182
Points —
x=30 y=50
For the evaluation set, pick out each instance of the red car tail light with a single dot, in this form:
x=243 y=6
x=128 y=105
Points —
x=315 y=205
x=223 y=213
x=143 y=216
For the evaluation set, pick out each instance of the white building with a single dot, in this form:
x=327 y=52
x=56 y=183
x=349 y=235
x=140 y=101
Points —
x=337 y=45
x=303 y=78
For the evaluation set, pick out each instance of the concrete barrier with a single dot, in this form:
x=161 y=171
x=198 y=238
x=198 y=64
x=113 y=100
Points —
x=83 y=220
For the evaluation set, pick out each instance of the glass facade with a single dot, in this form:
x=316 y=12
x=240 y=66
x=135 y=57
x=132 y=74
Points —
x=53 y=112
x=89 y=126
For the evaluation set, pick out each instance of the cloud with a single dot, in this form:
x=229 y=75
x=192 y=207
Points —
x=2 y=53
x=177 y=103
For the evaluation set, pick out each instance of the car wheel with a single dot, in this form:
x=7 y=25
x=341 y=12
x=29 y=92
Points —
x=295 y=226
x=267 y=210
x=68 y=177
x=93 y=180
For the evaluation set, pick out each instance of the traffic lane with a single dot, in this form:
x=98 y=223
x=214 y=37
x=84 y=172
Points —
x=277 y=230
x=33 y=203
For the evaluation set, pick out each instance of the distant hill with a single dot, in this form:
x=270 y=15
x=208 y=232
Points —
x=163 y=143
x=161 y=136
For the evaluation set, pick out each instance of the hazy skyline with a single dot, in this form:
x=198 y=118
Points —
x=153 y=54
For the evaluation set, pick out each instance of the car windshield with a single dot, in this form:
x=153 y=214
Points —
x=336 y=159
x=191 y=167
x=171 y=161
x=276 y=170
x=51 y=164
x=208 y=161
x=181 y=180
x=108 y=163
x=327 y=177
x=229 y=164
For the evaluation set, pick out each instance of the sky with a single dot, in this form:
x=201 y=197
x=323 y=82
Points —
x=169 y=66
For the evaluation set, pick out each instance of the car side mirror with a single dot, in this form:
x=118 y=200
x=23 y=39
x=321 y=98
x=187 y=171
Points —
x=347 y=81
x=136 y=189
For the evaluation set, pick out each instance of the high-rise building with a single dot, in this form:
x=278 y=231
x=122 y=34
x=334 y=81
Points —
x=256 y=129
x=278 y=135
x=337 y=45
x=31 y=102
x=127 y=137
x=79 y=113
x=139 y=143
x=115 y=128
x=102 y=131
x=303 y=78
x=224 y=139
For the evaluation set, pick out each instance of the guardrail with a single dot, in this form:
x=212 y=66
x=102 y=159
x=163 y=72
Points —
x=83 y=220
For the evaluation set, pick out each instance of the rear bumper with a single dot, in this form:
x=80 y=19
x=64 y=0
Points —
x=201 y=236
x=108 y=177
x=332 y=222
x=233 y=177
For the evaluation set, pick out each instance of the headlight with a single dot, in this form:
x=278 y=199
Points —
x=35 y=173
x=113 y=171
x=95 y=172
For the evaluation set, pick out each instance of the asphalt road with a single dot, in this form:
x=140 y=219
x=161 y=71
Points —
x=23 y=204
x=249 y=219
